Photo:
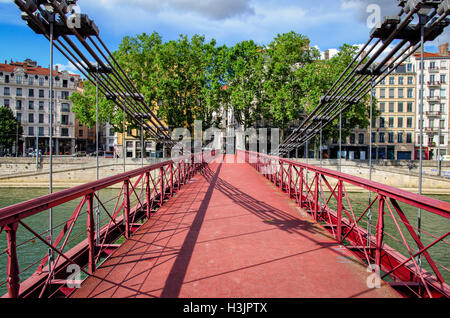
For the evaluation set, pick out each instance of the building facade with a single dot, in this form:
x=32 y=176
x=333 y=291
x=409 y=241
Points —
x=435 y=103
x=24 y=88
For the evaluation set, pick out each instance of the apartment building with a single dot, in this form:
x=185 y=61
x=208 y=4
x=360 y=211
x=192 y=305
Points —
x=393 y=130
x=435 y=103
x=24 y=87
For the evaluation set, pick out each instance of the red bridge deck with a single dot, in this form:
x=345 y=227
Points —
x=231 y=233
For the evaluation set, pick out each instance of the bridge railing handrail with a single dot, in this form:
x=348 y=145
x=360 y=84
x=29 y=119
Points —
x=338 y=214
x=19 y=211
x=156 y=183
x=420 y=201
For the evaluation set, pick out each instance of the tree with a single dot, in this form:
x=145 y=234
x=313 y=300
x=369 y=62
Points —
x=315 y=79
x=10 y=128
x=287 y=54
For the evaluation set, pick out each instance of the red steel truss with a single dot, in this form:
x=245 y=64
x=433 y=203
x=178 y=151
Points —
x=323 y=194
x=155 y=184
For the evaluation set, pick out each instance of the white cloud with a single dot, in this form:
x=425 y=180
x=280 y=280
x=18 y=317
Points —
x=211 y=9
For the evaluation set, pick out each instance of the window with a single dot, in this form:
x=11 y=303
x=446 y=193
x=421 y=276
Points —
x=382 y=93
x=391 y=107
x=80 y=133
x=410 y=80
x=6 y=78
x=6 y=102
x=374 y=137
x=443 y=93
x=64 y=120
x=408 y=138
x=30 y=131
x=382 y=122
x=41 y=81
x=410 y=93
x=18 y=104
x=409 y=107
x=443 y=79
x=41 y=105
x=400 y=137
x=391 y=122
x=432 y=79
x=442 y=109
x=383 y=82
x=31 y=81
x=111 y=131
x=444 y=64
x=41 y=93
x=390 y=137
x=361 y=139
x=6 y=91
x=382 y=107
x=41 y=118
x=442 y=140
x=409 y=67
x=391 y=92
x=18 y=91
x=400 y=80
x=31 y=92
x=19 y=117
x=64 y=95
x=352 y=139
x=391 y=80
x=65 y=83
x=400 y=93
x=19 y=79
x=400 y=122
x=381 y=137
x=432 y=65
x=65 y=132
x=65 y=107
x=41 y=131
x=400 y=107
x=31 y=118
x=442 y=124
x=431 y=92
x=31 y=105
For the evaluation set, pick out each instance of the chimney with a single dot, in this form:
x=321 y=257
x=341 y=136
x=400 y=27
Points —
x=443 y=49
x=56 y=69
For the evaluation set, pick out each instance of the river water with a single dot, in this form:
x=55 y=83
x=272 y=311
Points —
x=33 y=249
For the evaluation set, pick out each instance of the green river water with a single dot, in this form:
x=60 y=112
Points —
x=33 y=249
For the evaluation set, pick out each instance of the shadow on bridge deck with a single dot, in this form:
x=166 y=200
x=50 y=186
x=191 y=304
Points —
x=230 y=233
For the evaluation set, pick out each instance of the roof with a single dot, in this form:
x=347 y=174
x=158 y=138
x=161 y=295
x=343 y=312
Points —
x=31 y=70
x=432 y=55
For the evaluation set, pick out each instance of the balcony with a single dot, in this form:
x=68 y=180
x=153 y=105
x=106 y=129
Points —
x=432 y=99
x=433 y=69
x=431 y=130
x=434 y=84
x=433 y=113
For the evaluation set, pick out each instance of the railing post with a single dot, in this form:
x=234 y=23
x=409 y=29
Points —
x=281 y=174
x=290 y=180
x=316 y=195
x=339 y=211
x=147 y=193
x=171 y=179
x=161 y=185
x=179 y=175
x=300 y=190
x=380 y=228
x=12 y=270
x=127 y=208
x=91 y=233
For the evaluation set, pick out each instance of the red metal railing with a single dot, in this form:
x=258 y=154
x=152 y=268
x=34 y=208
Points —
x=409 y=263
x=154 y=183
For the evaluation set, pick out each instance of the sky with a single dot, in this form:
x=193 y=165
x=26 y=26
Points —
x=327 y=23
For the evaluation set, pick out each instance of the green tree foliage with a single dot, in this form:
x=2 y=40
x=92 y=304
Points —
x=189 y=78
x=9 y=128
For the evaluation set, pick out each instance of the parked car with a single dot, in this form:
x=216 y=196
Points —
x=80 y=154
x=109 y=154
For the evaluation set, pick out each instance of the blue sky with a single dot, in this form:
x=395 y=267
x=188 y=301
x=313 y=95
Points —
x=328 y=23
